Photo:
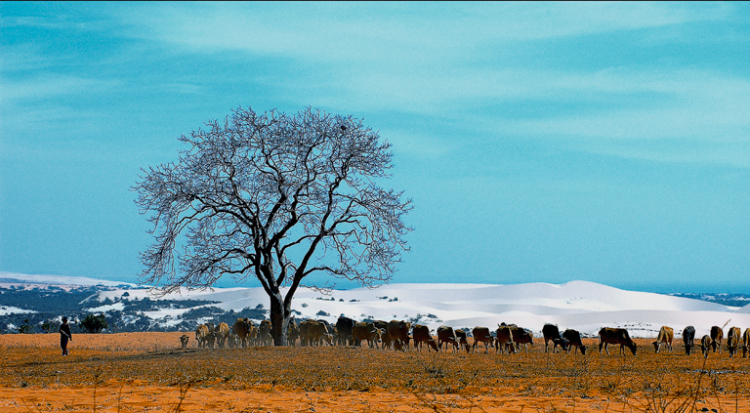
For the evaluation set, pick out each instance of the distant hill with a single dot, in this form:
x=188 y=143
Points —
x=29 y=304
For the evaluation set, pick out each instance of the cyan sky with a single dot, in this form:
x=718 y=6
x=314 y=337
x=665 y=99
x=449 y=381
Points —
x=540 y=142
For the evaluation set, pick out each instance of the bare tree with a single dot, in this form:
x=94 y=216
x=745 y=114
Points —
x=278 y=198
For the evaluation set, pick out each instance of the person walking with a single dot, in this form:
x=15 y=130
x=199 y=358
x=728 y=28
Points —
x=65 y=336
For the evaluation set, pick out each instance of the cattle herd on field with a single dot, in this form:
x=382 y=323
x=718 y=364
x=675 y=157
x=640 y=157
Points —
x=398 y=334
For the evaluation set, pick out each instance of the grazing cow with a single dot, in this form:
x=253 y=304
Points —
x=222 y=333
x=666 y=335
x=448 y=336
x=184 y=341
x=463 y=340
x=522 y=336
x=201 y=335
x=385 y=338
x=688 y=337
x=734 y=339
x=552 y=333
x=242 y=328
x=717 y=334
x=482 y=335
x=422 y=335
x=344 y=326
x=705 y=345
x=616 y=336
x=573 y=339
x=746 y=342
x=504 y=339
x=399 y=332
x=365 y=331
x=314 y=332
x=264 y=333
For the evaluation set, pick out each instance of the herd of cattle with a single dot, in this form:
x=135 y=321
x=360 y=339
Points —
x=398 y=334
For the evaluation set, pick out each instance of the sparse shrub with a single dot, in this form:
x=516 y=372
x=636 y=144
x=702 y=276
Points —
x=94 y=323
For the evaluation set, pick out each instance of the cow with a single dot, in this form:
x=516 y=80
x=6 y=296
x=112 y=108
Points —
x=222 y=333
x=746 y=342
x=233 y=340
x=688 y=337
x=264 y=333
x=292 y=332
x=366 y=331
x=210 y=340
x=666 y=335
x=616 y=336
x=421 y=335
x=572 y=339
x=399 y=332
x=482 y=335
x=385 y=338
x=314 y=332
x=705 y=345
x=344 y=327
x=448 y=336
x=463 y=340
x=734 y=338
x=201 y=335
x=552 y=333
x=184 y=341
x=522 y=336
x=504 y=339
x=717 y=334
x=242 y=328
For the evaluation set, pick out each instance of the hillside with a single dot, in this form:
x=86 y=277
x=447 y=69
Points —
x=36 y=303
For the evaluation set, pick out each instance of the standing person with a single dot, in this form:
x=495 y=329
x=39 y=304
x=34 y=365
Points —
x=65 y=336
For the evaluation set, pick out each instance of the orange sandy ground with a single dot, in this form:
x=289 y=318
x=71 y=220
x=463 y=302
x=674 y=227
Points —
x=139 y=372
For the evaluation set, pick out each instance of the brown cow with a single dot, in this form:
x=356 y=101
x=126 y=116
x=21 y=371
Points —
x=421 y=335
x=666 y=335
x=399 y=332
x=314 y=332
x=717 y=334
x=482 y=335
x=184 y=341
x=292 y=333
x=222 y=333
x=264 y=333
x=463 y=340
x=366 y=331
x=242 y=328
x=705 y=345
x=616 y=336
x=522 y=336
x=745 y=342
x=734 y=339
x=201 y=335
x=573 y=339
x=504 y=339
x=448 y=336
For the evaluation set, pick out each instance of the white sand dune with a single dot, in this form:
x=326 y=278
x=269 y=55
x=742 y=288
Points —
x=584 y=306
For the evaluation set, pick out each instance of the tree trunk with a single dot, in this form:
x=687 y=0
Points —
x=280 y=316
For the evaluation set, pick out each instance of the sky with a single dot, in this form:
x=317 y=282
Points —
x=539 y=142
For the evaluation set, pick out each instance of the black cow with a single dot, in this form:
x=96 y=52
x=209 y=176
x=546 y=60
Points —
x=573 y=338
x=552 y=333
x=688 y=337
x=344 y=326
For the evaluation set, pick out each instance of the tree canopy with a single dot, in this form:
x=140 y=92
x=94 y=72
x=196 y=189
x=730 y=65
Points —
x=277 y=198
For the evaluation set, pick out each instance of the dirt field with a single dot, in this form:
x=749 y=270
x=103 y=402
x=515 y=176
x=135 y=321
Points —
x=139 y=372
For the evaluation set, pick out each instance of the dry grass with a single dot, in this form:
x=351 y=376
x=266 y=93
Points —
x=104 y=364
